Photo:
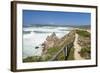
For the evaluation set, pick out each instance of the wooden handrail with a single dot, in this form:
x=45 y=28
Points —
x=54 y=57
x=65 y=49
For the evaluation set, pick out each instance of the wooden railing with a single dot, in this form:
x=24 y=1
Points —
x=67 y=44
x=66 y=50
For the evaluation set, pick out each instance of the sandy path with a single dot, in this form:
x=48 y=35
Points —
x=77 y=49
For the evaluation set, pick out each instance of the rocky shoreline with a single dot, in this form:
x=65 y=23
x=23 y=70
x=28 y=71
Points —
x=53 y=44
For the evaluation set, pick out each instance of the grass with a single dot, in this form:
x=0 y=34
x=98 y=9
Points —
x=47 y=57
x=32 y=59
x=83 y=33
x=86 y=49
x=85 y=52
x=61 y=56
x=53 y=51
x=71 y=54
x=69 y=57
x=50 y=53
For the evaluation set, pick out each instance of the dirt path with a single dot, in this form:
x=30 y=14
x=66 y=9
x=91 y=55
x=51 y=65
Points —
x=77 y=49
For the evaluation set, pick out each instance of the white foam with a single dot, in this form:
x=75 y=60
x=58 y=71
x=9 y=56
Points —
x=33 y=39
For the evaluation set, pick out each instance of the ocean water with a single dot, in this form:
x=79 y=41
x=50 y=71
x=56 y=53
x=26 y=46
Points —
x=34 y=36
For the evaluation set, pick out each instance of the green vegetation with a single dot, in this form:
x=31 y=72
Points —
x=71 y=54
x=69 y=57
x=47 y=57
x=85 y=43
x=50 y=53
x=83 y=33
x=85 y=52
x=32 y=59
x=61 y=56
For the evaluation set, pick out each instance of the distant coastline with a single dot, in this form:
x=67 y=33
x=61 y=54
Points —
x=56 y=25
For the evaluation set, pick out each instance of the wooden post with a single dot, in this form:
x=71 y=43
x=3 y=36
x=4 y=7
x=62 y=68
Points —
x=65 y=52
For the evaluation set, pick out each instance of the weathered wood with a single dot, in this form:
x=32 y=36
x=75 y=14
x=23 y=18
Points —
x=65 y=50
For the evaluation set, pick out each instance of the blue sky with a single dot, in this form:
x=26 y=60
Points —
x=55 y=17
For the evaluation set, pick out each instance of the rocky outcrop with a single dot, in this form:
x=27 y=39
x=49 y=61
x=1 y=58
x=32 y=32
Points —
x=53 y=41
x=50 y=42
